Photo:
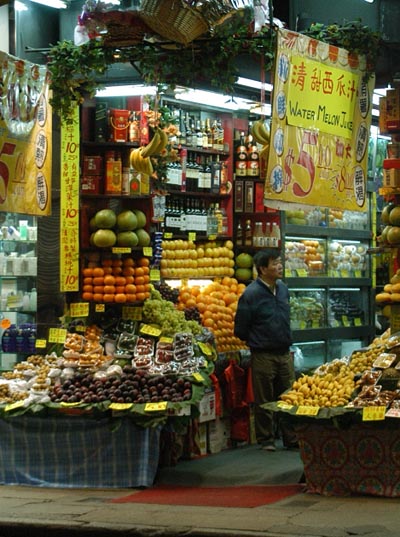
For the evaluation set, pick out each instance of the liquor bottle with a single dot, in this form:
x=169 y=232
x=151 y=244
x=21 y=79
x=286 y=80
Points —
x=241 y=157
x=189 y=173
x=211 y=227
x=199 y=134
x=216 y=176
x=207 y=176
x=200 y=174
x=275 y=235
x=214 y=134
x=253 y=158
x=209 y=134
x=189 y=132
x=134 y=134
x=258 y=235
x=204 y=142
x=239 y=234
x=219 y=218
x=220 y=136
x=182 y=129
x=248 y=234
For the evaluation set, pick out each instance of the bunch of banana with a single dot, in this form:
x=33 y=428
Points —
x=139 y=163
x=140 y=158
x=261 y=135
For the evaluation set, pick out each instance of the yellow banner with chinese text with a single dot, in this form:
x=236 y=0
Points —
x=69 y=212
x=320 y=124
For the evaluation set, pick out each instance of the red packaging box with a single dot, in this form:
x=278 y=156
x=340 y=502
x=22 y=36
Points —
x=92 y=165
x=91 y=184
x=259 y=198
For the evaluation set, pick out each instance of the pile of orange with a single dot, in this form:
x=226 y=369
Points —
x=115 y=279
x=217 y=304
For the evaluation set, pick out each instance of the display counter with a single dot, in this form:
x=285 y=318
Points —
x=77 y=452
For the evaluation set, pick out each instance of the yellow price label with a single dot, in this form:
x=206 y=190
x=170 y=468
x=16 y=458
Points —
x=284 y=405
x=147 y=251
x=307 y=410
x=205 y=348
x=192 y=236
x=134 y=313
x=166 y=339
x=373 y=413
x=345 y=320
x=11 y=406
x=155 y=275
x=357 y=322
x=302 y=272
x=64 y=403
x=100 y=308
x=40 y=343
x=79 y=309
x=198 y=377
x=150 y=330
x=120 y=406
x=344 y=273
x=288 y=273
x=121 y=250
x=57 y=335
x=156 y=407
x=357 y=273
x=168 y=235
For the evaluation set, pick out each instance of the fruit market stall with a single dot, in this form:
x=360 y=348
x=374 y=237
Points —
x=346 y=419
x=91 y=413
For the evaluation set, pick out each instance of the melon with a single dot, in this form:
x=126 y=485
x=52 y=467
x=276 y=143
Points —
x=127 y=221
x=92 y=223
x=243 y=274
x=386 y=213
x=127 y=238
x=384 y=235
x=143 y=236
x=394 y=216
x=103 y=238
x=244 y=260
x=141 y=217
x=105 y=219
x=393 y=235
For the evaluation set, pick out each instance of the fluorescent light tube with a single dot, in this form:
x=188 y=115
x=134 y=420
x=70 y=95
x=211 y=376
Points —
x=126 y=91
x=58 y=4
x=250 y=83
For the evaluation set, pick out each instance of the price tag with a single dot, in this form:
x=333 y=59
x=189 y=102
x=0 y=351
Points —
x=166 y=339
x=40 y=343
x=120 y=406
x=192 y=236
x=284 y=405
x=303 y=325
x=315 y=324
x=288 y=273
x=205 y=348
x=155 y=407
x=357 y=322
x=121 y=250
x=334 y=323
x=306 y=410
x=393 y=413
x=212 y=237
x=334 y=274
x=155 y=275
x=80 y=328
x=168 y=235
x=134 y=313
x=150 y=330
x=357 y=273
x=100 y=308
x=373 y=413
x=57 y=335
x=79 y=309
x=302 y=272
x=197 y=377
x=345 y=320
x=147 y=251
x=64 y=403
x=11 y=406
x=344 y=273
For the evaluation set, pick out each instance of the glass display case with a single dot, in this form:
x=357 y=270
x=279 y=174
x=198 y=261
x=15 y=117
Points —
x=307 y=308
x=331 y=218
x=347 y=259
x=18 y=297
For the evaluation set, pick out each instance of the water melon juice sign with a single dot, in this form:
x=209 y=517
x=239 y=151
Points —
x=320 y=126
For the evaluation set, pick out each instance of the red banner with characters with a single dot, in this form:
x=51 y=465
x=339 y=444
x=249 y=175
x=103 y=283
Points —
x=321 y=116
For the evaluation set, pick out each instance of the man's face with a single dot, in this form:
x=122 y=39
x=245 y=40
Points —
x=274 y=270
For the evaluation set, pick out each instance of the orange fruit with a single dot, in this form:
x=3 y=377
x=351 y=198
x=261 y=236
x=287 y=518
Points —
x=109 y=279
x=87 y=280
x=106 y=262
x=98 y=289
x=147 y=294
x=99 y=280
x=209 y=323
x=120 y=289
x=139 y=271
x=128 y=262
x=87 y=288
x=87 y=295
x=141 y=296
x=140 y=289
x=184 y=296
x=120 y=280
x=108 y=270
x=117 y=270
x=116 y=263
x=98 y=271
x=147 y=287
x=139 y=280
x=128 y=271
x=130 y=297
x=120 y=297
x=98 y=297
x=191 y=303
x=109 y=289
x=130 y=288
x=87 y=271
x=108 y=297
x=143 y=262
x=146 y=278
x=129 y=279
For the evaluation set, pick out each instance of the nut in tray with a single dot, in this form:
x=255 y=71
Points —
x=384 y=360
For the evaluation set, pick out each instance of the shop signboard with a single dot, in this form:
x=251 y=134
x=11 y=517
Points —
x=25 y=138
x=321 y=116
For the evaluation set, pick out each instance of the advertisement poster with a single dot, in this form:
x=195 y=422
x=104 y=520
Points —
x=321 y=116
x=69 y=212
x=25 y=138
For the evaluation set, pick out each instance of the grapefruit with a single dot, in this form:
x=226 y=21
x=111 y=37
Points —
x=386 y=213
x=104 y=238
x=127 y=221
x=394 y=216
x=243 y=274
x=244 y=260
x=143 y=236
x=127 y=238
x=105 y=219
x=393 y=235
x=141 y=217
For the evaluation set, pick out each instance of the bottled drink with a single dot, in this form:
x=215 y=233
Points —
x=253 y=159
x=134 y=134
x=189 y=132
x=241 y=157
x=210 y=138
x=204 y=135
x=248 y=234
x=219 y=136
x=207 y=176
x=211 y=221
x=275 y=235
x=199 y=134
x=258 y=235
x=33 y=299
x=267 y=234
x=219 y=219
x=216 y=176
x=239 y=234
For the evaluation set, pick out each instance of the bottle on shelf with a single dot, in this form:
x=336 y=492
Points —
x=33 y=299
x=199 y=134
x=212 y=224
x=239 y=234
x=253 y=158
x=216 y=176
x=275 y=235
x=219 y=217
x=267 y=234
x=219 y=136
x=210 y=138
x=241 y=158
x=258 y=235
x=189 y=131
x=248 y=234
x=204 y=135
x=134 y=133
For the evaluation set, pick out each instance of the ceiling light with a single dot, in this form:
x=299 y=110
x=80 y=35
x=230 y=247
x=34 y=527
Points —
x=126 y=91
x=19 y=6
x=249 y=83
x=58 y=4
x=215 y=100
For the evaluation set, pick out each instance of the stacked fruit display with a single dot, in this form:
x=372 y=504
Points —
x=244 y=267
x=125 y=229
x=391 y=291
x=390 y=217
x=185 y=259
x=111 y=278
x=217 y=304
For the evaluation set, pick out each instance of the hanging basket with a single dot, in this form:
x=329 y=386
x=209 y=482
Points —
x=174 y=20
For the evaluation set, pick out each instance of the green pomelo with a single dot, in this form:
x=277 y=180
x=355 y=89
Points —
x=127 y=238
x=104 y=238
x=394 y=216
x=143 y=236
x=243 y=274
x=384 y=235
x=244 y=260
x=386 y=213
x=127 y=221
x=393 y=235
x=105 y=219
x=92 y=223
x=141 y=218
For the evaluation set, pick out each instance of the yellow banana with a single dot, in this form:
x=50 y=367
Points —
x=134 y=158
x=144 y=163
x=264 y=153
x=152 y=147
x=264 y=130
x=163 y=140
x=255 y=132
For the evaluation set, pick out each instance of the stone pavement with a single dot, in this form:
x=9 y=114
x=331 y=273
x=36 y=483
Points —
x=34 y=511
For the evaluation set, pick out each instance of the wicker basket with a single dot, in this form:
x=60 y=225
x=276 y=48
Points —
x=173 y=20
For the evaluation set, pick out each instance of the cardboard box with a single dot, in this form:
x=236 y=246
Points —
x=219 y=435
x=92 y=165
x=249 y=196
x=91 y=184
x=391 y=172
x=101 y=122
x=393 y=109
x=207 y=407
x=239 y=196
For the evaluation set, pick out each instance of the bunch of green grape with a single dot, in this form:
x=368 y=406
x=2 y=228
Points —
x=164 y=314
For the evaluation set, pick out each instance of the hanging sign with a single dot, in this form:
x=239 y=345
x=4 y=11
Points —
x=321 y=116
x=69 y=212
x=25 y=134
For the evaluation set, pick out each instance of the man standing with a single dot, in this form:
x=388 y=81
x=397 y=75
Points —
x=263 y=321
